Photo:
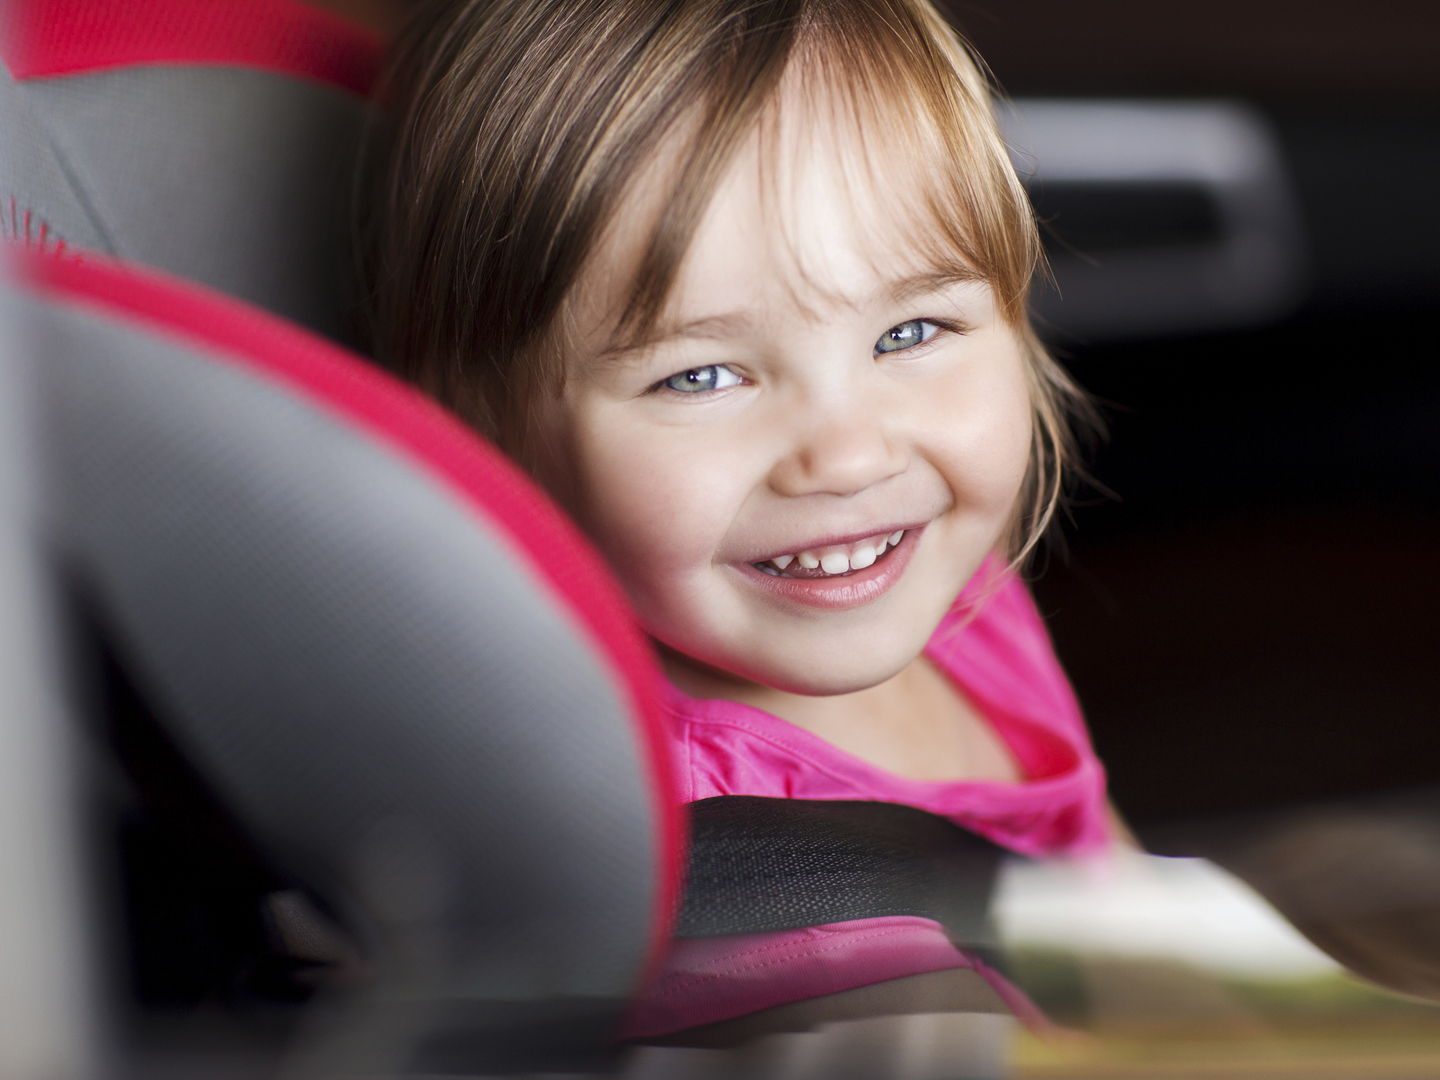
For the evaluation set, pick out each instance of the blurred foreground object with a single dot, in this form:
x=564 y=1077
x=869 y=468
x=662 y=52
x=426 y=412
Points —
x=1173 y=967
x=48 y=963
x=337 y=653
x=1159 y=217
x=1359 y=877
x=1131 y=904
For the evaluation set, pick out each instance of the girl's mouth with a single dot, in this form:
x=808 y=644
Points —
x=836 y=576
x=832 y=560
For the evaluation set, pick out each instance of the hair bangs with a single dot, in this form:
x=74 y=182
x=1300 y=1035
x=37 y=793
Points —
x=904 y=92
x=894 y=90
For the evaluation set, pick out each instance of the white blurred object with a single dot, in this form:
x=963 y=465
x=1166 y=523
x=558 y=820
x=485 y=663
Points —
x=1221 y=156
x=1131 y=905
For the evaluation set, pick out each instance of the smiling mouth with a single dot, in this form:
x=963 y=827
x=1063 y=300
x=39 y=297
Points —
x=831 y=560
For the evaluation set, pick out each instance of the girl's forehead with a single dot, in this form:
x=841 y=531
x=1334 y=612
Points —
x=833 y=196
x=834 y=204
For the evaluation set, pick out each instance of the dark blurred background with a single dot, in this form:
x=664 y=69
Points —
x=1253 y=619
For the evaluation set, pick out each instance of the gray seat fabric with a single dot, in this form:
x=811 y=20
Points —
x=391 y=704
x=235 y=178
x=33 y=180
x=46 y=955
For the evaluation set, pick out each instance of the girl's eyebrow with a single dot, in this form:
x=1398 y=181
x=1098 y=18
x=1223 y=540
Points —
x=714 y=327
x=929 y=281
x=735 y=323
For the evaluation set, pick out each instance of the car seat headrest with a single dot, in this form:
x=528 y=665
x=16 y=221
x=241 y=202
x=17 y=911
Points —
x=408 y=676
x=214 y=139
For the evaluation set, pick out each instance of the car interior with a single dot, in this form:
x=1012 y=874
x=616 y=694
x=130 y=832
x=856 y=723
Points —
x=332 y=746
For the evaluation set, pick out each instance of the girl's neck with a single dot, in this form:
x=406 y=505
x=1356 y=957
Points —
x=917 y=724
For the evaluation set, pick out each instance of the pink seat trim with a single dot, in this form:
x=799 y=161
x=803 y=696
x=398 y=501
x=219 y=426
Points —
x=363 y=397
x=707 y=980
x=42 y=38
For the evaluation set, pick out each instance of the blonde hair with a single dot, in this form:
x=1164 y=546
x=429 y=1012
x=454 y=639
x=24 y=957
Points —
x=521 y=123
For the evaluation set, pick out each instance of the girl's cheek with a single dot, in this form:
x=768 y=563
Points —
x=980 y=430
x=648 y=502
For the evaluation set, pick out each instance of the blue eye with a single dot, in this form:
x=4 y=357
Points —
x=698 y=380
x=905 y=336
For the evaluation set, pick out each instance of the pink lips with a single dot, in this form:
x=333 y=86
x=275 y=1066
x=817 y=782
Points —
x=842 y=591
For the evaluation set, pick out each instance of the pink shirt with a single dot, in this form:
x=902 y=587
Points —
x=1003 y=660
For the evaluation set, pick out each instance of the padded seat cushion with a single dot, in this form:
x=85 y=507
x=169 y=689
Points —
x=407 y=674
x=217 y=140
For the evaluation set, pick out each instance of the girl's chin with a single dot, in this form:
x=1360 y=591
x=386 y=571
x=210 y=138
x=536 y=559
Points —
x=739 y=677
x=830 y=683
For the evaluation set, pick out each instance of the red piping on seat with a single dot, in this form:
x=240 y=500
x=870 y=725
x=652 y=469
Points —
x=41 y=38
x=391 y=412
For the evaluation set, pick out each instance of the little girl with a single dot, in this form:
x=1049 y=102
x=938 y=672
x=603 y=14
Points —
x=743 y=284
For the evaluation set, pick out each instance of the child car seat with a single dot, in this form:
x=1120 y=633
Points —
x=268 y=689
x=405 y=678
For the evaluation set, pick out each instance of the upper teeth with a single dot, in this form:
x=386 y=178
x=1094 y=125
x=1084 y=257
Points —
x=839 y=558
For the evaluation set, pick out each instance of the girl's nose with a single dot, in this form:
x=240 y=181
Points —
x=841 y=455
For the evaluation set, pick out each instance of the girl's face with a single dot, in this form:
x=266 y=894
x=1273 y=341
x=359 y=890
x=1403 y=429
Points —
x=824 y=438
